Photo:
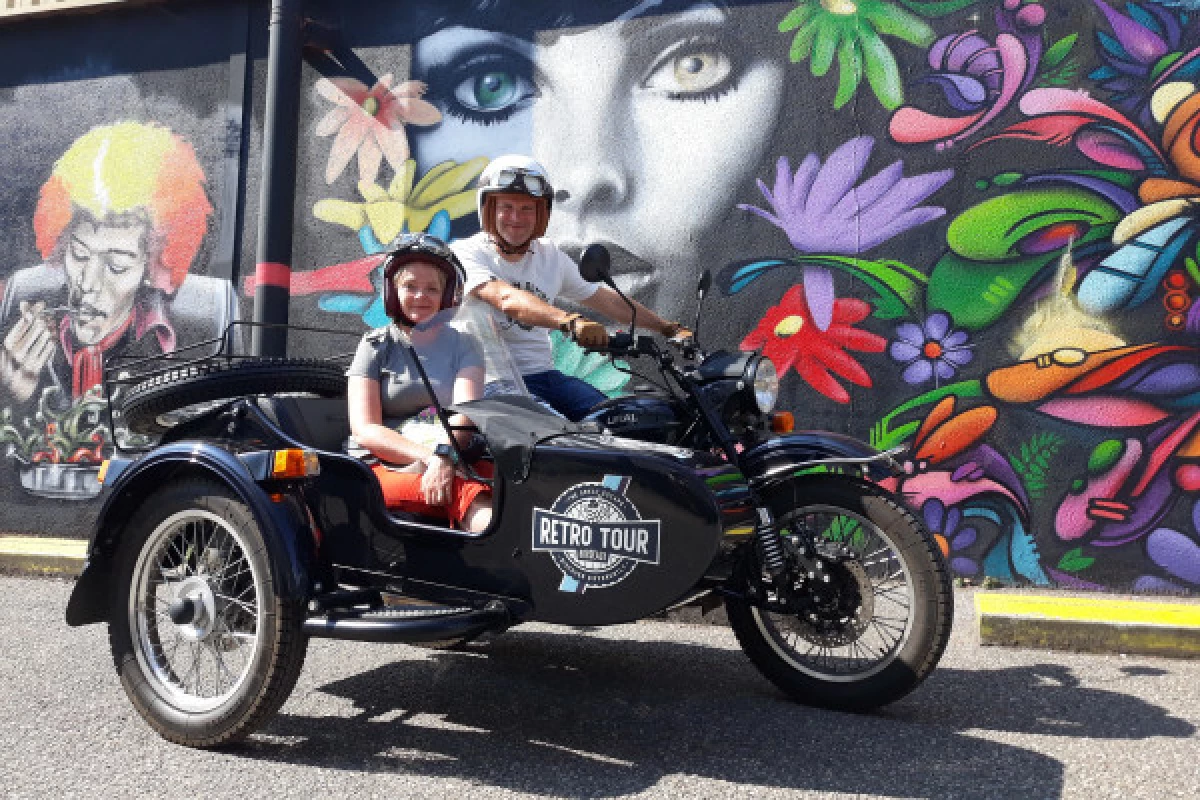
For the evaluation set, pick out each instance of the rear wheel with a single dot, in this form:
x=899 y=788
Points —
x=870 y=626
x=205 y=648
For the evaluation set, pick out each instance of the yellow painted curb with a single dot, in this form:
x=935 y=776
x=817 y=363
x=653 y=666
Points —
x=1094 y=625
x=35 y=554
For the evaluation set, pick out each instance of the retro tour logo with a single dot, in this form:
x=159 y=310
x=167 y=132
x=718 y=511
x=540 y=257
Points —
x=595 y=535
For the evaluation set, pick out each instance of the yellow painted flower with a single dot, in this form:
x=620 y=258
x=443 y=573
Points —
x=388 y=211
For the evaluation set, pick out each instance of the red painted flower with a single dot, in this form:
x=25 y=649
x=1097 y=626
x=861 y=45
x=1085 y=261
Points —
x=790 y=338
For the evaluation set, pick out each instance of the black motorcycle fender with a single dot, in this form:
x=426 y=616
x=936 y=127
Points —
x=780 y=457
x=290 y=546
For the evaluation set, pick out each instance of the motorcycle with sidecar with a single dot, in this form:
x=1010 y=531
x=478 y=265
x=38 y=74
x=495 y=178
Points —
x=245 y=529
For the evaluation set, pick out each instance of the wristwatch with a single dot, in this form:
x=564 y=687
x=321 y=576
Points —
x=446 y=451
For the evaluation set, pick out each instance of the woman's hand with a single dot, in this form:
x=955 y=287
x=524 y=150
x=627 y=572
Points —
x=437 y=482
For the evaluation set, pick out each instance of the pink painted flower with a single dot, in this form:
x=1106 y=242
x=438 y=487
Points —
x=370 y=123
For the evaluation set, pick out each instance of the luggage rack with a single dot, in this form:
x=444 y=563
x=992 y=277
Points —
x=125 y=370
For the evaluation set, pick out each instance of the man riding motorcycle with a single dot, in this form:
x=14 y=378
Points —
x=513 y=268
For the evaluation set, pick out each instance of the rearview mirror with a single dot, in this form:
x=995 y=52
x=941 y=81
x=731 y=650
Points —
x=594 y=264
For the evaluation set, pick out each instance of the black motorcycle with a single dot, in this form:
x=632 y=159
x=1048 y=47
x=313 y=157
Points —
x=245 y=529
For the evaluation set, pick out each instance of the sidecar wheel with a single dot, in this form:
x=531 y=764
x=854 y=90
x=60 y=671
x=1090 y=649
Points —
x=890 y=624
x=157 y=404
x=205 y=649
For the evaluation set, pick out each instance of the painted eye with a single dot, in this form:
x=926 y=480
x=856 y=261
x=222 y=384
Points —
x=119 y=263
x=493 y=90
x=691 y=71
x=79 y=251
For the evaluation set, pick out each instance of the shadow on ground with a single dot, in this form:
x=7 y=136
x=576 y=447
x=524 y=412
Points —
x=561 y=714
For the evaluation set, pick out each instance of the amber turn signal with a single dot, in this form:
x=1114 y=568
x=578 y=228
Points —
x=783 y=422
x=295 y=463
x=103 y=471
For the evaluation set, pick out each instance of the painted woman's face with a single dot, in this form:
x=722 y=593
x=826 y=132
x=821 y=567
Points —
x=649 y=127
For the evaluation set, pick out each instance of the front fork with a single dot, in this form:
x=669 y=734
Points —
x=791 y=578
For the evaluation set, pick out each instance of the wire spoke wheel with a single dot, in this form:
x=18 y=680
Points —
x=860 y=622
x=205 y=646
x=871 y=621
x=196 y=565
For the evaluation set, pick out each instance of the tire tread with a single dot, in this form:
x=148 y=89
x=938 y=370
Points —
x=894 y=681
x=283 y=667
x=217 y=380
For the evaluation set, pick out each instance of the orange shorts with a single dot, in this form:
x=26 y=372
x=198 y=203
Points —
x=402 y=490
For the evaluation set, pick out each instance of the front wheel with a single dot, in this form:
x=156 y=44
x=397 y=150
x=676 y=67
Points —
x=874 y=624
x=205 y=648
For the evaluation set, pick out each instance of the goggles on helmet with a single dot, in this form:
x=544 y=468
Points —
x=424 y=243
x=521 y=180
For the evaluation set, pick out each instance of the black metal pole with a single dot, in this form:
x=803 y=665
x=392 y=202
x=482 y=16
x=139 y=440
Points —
x=273 y=271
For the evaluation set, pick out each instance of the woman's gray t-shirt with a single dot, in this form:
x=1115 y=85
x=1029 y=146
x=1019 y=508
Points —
x=382 y=356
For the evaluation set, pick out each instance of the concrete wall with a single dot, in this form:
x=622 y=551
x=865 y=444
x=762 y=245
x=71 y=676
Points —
x=962 y=226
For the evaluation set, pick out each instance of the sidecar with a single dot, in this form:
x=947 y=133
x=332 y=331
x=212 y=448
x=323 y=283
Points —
x=234 y=525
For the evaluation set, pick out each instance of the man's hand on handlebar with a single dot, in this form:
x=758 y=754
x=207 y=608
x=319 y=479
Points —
x=678 y=335
x=585 y=332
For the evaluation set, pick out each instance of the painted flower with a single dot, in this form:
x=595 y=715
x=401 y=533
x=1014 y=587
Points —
x=1150 y=239
x=824 y=209
x=980 y=78
x=1144 y=50
x=353 y=287
x=790 y=338
x=946 y=525
x=931 y=351
x=403 y=206
x=370 y=123
x=853 y=30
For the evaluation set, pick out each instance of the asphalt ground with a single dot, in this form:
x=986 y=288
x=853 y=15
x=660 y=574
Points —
x=1095 y=623
x=647 y=710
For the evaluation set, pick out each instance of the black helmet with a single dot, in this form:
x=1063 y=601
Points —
x=409 y=247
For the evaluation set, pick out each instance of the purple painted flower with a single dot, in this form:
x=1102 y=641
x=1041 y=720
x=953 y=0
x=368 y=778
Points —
x=979 y=77
x=824 y=209
x=946 y=526
x=1175 y=552
x=1144 y=50
x=930 y=351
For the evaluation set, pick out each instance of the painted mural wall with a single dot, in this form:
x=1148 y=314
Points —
x=118 y=230
x=965 y=226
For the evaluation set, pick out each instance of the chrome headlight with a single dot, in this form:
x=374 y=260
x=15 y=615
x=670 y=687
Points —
x=765 y=381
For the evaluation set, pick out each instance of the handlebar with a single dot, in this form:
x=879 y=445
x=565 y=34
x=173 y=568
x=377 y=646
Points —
x=623 y=343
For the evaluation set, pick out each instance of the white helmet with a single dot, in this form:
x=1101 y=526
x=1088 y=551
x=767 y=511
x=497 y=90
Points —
x=514 y=174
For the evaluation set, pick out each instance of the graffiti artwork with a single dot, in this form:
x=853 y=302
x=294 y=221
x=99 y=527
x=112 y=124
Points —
x=988 y=240
x=118 y=224
x=963 y=226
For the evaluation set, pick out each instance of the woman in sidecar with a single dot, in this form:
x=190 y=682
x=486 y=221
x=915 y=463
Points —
x=248 y=528
x=392 y=421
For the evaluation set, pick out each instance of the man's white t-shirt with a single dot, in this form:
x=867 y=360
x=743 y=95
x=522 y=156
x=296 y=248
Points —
x=544 y=271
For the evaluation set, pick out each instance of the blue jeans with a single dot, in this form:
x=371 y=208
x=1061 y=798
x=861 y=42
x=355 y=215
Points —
x=571 y=397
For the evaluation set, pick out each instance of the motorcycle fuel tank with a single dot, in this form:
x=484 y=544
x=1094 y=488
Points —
x=647 y=417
